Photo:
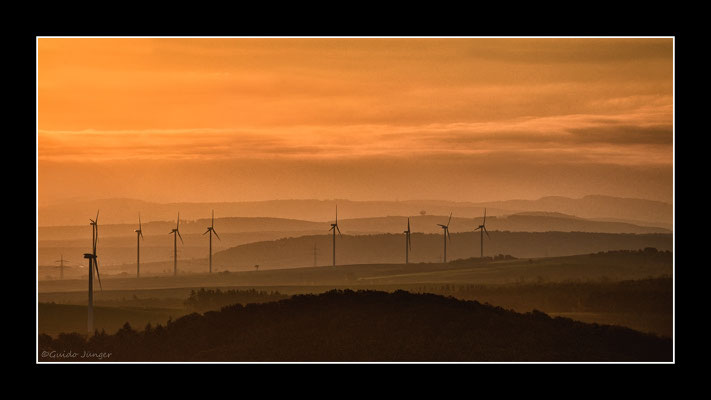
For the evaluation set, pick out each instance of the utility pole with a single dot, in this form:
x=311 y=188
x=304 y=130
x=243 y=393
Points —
x=61 y=266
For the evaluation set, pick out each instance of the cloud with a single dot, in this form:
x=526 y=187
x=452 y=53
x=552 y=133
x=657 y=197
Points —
x=232 y=83
x=527 y=111
x=644 y=136
x=491 y=176
x=624 y=134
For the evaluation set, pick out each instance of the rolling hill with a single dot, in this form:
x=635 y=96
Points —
x=389 y=248
x=520 y=222
x=596 y=206
x=118 y=242
x=125 y=211
x=367 y=326
x=621 y=265
x=295 y=252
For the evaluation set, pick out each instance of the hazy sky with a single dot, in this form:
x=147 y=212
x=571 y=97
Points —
x=365 y=119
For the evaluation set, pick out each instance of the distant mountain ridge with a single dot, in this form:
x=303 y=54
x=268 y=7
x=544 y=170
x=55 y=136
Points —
x=125 y=211
x=596 y=206
x=520 y=222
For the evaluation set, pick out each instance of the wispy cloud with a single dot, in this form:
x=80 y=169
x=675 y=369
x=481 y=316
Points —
x=559 y=112
x=644 y=136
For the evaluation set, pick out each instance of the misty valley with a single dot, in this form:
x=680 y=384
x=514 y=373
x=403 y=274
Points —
x=619 y=288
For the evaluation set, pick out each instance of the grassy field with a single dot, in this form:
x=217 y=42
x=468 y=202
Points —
x=612 y=266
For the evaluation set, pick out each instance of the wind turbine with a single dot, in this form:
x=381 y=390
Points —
x=212 y=230
x=139 y=235
x=446 y=236
x=333 y=228
x=61 y=266
x=176 y=232
x=94 y=231
x=93 y=263
x=408 y=245
x=482 y=227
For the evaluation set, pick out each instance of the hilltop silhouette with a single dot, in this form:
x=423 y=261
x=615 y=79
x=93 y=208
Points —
x=369 y=326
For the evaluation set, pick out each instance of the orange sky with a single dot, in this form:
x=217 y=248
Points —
x=251 y=119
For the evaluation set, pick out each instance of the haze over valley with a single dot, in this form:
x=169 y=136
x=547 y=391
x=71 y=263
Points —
x=118 y=240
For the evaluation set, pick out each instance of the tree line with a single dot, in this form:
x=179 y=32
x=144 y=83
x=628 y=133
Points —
x=343 y=325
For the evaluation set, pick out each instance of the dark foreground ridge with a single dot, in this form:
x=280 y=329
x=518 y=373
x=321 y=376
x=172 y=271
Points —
x=364 y=326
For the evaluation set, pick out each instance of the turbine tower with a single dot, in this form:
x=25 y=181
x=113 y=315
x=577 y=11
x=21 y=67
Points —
x=482 y=227
x=212 y=230
x=93 y=263
x=408 y=245
x=446 y=236
x=61 y=266
x=176 y=232
x=335 y=227
x=139 y=235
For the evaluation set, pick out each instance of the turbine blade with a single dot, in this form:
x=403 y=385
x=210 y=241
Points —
x=450 y=219
x=96 y=264
x=336 y=214
x=484 y=217
x=218 y=236
x=206 y=232
x=408 y=224
x=178 y=224
x=142 y=238
x=181 y=237
x=97 y=216
x=487 y=233
x=213 y=219
x=477 y=229
x=139 y=221
x=339 y=230
x=409 y=243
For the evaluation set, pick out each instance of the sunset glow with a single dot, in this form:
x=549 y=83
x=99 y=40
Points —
x=229 y=119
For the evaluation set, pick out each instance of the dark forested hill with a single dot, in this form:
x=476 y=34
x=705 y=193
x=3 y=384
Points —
x=365 y=326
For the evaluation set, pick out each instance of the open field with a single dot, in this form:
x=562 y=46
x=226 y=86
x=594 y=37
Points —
x=274 y=250
x=613 y=266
